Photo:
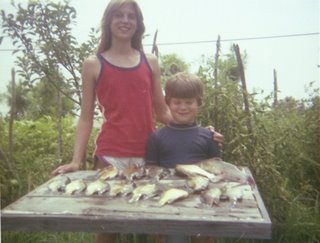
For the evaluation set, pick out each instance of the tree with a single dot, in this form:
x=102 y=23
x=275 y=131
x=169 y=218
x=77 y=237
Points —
x=41 y=33
x=171 y=64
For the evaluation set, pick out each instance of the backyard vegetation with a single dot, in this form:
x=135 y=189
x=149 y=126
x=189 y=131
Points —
x=278 y=140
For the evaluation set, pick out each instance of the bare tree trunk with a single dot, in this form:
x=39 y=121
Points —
x=59 y=126
x=11 y=120
x=318 y=109
x=155 y=49
x=244 y=87
x=10 y=160
x=275 y=89
x=215 y=75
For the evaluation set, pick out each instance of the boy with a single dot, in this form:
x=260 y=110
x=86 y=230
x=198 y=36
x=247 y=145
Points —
x=182 y=141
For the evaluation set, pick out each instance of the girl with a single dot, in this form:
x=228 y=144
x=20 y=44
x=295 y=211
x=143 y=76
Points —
x=126 y=84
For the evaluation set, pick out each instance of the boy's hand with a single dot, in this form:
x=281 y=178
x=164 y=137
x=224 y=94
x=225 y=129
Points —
x=66 y=168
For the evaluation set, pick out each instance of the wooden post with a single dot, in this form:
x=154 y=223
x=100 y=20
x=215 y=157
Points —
x=275 y=89
x=215 y=75
x=155 y=49
x=59 y=125
x=10 y=160
x=244 y=87
x=12 y=114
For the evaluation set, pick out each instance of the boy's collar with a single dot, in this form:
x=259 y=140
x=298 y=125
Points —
x=175 y=125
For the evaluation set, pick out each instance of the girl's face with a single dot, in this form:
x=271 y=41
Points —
x=124 y=22
x=183 y=110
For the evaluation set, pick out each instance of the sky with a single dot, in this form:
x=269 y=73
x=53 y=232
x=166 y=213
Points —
x=295 y=57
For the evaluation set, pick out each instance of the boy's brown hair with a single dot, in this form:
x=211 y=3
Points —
x=183 y=85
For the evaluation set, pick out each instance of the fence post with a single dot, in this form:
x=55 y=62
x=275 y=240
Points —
x=215 y=75
x=244 y=87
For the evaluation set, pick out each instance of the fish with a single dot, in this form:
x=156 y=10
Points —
x=211 y=196
x=198 y=183
x=115 y=188
x=97 y=187
x=145 y=191
x=133 y=172
x=121 y=188
x=156 y=172
x=209 y=165
x=75 y=186
x=171 y=195
x=108 y=173
x=59 y=184
x=193 y=170
x=234 y=194
x=226 y=171
x=127 y=189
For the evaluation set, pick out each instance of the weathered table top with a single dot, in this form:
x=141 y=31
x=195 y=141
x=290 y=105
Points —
x=42 y=210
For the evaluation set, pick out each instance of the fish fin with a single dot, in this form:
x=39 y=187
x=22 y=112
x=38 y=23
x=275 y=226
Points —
x=216 y=178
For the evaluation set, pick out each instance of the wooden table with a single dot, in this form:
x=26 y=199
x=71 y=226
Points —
x=42 y=210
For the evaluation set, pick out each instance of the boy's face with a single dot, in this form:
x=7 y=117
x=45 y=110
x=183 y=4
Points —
x=183 y=110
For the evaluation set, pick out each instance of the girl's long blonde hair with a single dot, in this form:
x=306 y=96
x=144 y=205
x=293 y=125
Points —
x=105 y=40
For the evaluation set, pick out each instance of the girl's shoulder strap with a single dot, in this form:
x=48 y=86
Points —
x=148 y=59
x=101 y=59
x=102 y=62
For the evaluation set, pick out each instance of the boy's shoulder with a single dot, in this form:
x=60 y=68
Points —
x=161 y=130
x=170 y=128
x=206 y=131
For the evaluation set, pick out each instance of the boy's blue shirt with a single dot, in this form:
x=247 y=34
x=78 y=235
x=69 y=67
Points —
x=181 y=144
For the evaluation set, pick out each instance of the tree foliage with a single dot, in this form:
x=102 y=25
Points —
x=41 y=32
x=282 y=149
x=171 y=64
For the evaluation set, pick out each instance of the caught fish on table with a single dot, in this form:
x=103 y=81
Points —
x=133 y=172
x=97 y=187
x=194 y=170
x=121 y=188
x=59 y=184
x=211 y=196
x=234 y=194
x=108 y=173
x=145 y=191
x=76 y=186
x=171 y=195
x=127 y=189
x=198 y=183
x=226 y=171
x=156 y=172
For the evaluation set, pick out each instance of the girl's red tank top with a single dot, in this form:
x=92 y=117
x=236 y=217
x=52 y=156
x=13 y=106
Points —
x=124 y=96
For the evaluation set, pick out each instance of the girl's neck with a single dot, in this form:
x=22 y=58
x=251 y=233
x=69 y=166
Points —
x=121 y=48
x=122 y=56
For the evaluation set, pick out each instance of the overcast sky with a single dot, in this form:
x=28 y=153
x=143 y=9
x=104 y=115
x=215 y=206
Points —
x=296 y=58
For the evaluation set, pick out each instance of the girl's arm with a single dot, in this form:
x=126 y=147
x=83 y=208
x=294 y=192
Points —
x=161 y=109
x=90 y=70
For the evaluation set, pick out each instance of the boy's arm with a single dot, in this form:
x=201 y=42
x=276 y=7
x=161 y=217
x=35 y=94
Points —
x=214 y=148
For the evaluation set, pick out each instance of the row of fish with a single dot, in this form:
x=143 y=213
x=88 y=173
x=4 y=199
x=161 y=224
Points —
x=134 y=172
x=214 y=170
x=117 y=188
x=238 y=185
x=199 y=177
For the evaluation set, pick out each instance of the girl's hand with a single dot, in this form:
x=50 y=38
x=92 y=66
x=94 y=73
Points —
x=66 y=168
x=218 y=137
